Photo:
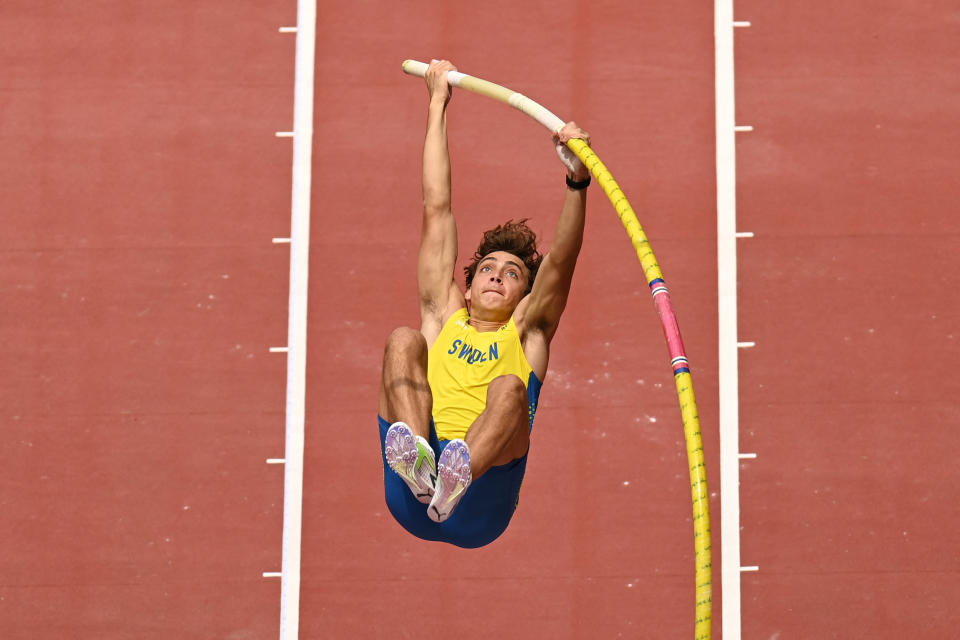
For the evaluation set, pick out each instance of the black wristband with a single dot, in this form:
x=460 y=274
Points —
x=578 y=186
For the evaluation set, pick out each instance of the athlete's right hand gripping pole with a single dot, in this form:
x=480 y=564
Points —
x=661 y=299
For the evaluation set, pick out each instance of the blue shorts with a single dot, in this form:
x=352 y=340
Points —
x=483 y=513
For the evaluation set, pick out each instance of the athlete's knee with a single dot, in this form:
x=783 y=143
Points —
x=405 y=342
x=508 y=388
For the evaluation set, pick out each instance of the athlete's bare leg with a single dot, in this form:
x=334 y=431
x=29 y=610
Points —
x=501 y=433
x=404 y=391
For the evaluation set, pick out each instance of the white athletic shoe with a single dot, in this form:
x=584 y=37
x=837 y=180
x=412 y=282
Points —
x=411 y=457
x=453 y=478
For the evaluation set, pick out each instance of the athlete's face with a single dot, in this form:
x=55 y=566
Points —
x=499 y=284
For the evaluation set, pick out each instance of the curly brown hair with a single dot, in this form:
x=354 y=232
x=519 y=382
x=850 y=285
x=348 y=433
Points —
x=513 y=237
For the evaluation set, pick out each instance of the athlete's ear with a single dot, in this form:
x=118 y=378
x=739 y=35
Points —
x=466 y=294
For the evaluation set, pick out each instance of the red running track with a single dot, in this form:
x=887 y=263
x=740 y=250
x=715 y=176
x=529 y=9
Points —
x=143 y=184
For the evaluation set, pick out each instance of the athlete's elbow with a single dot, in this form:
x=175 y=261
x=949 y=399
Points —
x=564 y=259
x=435 y=202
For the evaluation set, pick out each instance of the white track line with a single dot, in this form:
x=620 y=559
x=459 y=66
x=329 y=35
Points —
x=297 y=327
x=727 y=318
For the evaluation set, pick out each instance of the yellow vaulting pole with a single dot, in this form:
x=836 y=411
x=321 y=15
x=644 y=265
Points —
x=661 y=299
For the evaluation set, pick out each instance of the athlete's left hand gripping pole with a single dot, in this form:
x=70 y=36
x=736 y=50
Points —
x=492 y=90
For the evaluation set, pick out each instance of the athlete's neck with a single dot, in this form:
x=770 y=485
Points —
x=485 y=325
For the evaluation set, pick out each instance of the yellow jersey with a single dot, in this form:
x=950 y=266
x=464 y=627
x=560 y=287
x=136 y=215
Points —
x=460 y=365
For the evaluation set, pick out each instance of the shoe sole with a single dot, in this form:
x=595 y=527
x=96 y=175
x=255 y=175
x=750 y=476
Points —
x=453 y=478
x=411 y=460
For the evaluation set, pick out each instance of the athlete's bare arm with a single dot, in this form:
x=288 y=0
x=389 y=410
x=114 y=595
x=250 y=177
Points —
x=538 y=316
x=439 y=294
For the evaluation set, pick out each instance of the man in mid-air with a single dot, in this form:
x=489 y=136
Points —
x=458 y=396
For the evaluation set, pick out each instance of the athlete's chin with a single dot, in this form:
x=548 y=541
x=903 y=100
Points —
x=499 y=305
x=493 y=313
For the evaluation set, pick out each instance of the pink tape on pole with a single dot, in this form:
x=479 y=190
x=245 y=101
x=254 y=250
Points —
x=671 y=330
